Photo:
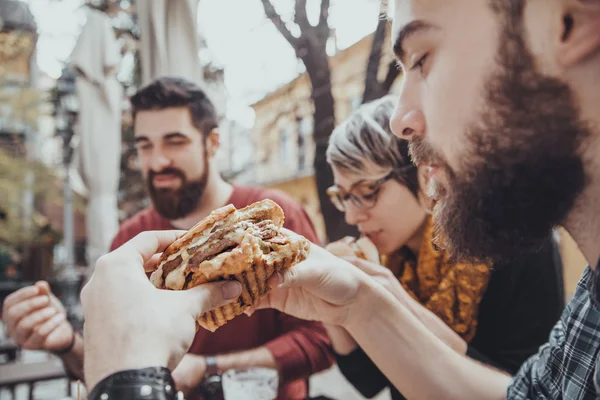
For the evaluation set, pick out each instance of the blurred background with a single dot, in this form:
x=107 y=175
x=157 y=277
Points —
x=282 y=73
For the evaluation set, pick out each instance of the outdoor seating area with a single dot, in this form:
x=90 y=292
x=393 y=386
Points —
x=24 y=374
x=299 y=200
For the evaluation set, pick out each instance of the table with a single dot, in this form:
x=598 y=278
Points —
x=17 y=373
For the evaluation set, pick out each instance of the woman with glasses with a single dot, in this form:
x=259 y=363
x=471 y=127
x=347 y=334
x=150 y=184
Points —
x=499 y=316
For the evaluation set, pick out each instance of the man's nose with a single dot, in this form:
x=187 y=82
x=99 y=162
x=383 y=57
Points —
x=407 y=122
x=159 y=162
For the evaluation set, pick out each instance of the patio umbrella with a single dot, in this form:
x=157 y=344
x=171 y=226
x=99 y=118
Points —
x=96 y=56
x=169 y=41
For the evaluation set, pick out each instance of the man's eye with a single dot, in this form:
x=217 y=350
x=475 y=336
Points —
x=143 y=147
x=178 y=143
x=419 y=64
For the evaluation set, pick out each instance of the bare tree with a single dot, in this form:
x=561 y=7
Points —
x=310 y=47
x=374 y=88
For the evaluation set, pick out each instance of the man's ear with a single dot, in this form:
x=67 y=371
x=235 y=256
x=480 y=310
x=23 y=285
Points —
x=213 y=142
x=580 y=36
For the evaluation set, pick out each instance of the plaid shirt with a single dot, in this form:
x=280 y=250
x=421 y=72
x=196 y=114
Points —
x=565 y=367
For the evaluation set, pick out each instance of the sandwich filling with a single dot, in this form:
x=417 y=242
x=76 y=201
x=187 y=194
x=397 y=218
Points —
x=205 y=250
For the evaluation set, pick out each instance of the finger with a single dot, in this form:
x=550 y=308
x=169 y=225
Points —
x=152 y=264
x=22 y=309
x=44 y=287
x=364 y=265
x=301 y=275
x=269 y=301
x=261 y=304
x=41 y=333
x=340 y=249
x=209 y=296
x=275 y=280
x=17 y=297
x=28 y=323
x=348 y=240
x=147 y=244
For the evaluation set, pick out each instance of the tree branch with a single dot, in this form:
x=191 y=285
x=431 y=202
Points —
x=372 y=86
x=300 y=16
x=324 y=16
x=390 y=77
x=278 y=22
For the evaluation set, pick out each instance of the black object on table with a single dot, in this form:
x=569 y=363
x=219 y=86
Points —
x=9 y=349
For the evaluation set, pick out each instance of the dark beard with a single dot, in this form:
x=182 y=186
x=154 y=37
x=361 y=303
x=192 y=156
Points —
x=176 y=204
x=523 y=172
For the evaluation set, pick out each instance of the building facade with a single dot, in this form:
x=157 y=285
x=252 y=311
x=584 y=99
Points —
x=282 y=136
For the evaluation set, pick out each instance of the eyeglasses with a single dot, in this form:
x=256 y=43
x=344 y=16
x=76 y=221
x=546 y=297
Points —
x=363 y=195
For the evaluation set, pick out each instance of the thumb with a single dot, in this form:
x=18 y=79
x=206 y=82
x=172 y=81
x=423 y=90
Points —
x=43 y=287
x=348 y=240
x=208 y=296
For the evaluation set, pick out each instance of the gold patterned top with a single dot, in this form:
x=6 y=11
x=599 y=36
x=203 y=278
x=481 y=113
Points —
x=452 y=291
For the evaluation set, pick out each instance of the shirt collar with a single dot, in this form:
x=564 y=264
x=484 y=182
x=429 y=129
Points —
x=594 y=286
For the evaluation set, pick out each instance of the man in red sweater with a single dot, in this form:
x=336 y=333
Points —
x=177 y=139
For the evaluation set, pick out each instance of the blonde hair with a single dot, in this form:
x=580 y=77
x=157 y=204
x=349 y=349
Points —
x=365 y=138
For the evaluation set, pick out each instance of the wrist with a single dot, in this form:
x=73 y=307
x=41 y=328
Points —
x=369 y=297
x=366 y=300
x=153 y=383
x=342 y=342
x=101 y=364
x=211 y=385
x=69 y=347
x=211 y=366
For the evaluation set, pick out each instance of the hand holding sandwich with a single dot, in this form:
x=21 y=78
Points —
x=129 y=323
x=324 y=287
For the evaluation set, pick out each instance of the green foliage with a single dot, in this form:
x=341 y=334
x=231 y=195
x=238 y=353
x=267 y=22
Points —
x=17 y=175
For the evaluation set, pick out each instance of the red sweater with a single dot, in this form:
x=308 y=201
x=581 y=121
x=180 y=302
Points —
x=301 y=348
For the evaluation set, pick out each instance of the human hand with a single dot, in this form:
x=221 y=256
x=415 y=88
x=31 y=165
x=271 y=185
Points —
x=36 y=320
x=323 y=287
x=129 y=323
x=387 y=280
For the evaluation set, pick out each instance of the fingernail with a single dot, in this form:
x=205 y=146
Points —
x=231 y=289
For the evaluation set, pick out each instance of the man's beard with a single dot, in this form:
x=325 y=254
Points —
x=522 y=172
x=177 y=203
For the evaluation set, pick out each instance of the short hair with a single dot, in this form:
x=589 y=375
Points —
x=365 y=137
x=169 y=92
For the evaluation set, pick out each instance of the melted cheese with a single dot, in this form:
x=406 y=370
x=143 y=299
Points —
x=176 y=278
